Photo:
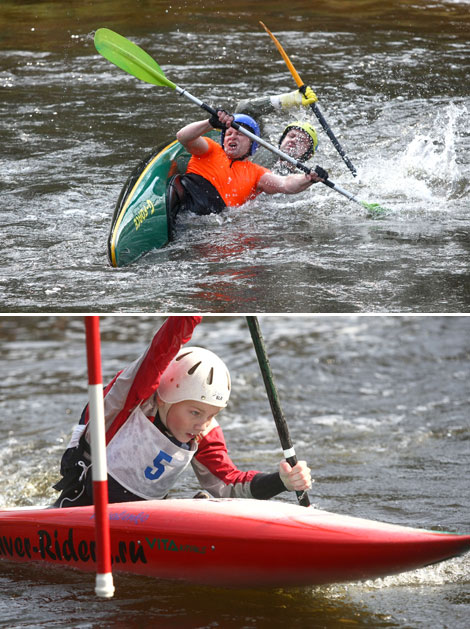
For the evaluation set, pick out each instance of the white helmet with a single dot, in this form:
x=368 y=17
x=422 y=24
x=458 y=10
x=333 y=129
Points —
x=195 y=374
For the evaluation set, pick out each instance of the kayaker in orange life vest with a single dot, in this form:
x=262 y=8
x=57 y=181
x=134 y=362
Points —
x=220 y=175
x=160 y=418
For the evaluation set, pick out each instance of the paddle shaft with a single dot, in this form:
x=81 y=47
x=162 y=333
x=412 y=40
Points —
x=331 y=135
x=279 y=419
x=314 y=106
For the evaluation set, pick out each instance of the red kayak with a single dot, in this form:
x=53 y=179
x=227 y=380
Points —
x=226 y=542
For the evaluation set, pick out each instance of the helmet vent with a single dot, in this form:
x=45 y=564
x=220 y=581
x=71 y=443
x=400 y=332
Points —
x=210 y=377
x=193 y=368
x=181 y=356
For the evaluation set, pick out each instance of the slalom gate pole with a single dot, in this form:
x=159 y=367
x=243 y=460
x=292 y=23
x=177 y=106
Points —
x=104 y=586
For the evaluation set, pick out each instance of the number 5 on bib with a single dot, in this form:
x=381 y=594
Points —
x=159 y=466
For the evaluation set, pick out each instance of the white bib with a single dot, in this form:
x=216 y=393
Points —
x=143 y=460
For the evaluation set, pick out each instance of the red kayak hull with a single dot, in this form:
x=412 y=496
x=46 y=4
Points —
x=226 y=542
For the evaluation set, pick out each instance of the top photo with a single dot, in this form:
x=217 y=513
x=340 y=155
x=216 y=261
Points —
x=235 y=157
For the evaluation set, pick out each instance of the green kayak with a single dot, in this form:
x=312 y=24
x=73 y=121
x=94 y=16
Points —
x=142 y=220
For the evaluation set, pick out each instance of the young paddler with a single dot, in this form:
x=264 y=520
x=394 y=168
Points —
x=161 y=417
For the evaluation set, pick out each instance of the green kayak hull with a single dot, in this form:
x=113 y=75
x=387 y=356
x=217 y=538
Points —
x=141 y=221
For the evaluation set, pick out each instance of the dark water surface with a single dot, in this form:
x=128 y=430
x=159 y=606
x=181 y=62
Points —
x=378 y=406
x=392 y=79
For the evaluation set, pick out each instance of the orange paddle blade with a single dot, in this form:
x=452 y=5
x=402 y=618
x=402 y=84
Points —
x=293 y=71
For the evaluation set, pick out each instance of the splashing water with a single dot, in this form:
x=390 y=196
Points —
x=429 y=169
x=430 y=159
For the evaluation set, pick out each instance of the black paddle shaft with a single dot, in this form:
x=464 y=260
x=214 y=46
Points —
x=329 y=133
x=332 y=137
x=281 y=424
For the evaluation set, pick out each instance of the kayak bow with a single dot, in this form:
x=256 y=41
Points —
x=140 y=221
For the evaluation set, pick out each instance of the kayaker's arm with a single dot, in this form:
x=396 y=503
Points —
x=218 y=474
x=265 y=105
x=290 y=184
x=191 y=138
x=265 y=486
x=190 y=135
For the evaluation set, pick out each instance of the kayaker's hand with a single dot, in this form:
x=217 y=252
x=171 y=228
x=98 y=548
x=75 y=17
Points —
x=301 y=97
x=223 y=120
x=312 y=177
x=308 y=96
x=295 y=478
x=321 y=172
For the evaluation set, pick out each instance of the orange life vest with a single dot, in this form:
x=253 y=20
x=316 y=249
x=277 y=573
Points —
x=235 y=181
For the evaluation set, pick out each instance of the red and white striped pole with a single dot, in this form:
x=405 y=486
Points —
x=104 y=579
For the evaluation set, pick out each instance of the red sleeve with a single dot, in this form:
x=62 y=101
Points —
x=140 y=380
x=216 y=470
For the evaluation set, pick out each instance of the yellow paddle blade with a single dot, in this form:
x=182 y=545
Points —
x=293 y=71
x=130 y=57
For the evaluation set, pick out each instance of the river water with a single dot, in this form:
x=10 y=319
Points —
x=377 y=405
x=392 y=81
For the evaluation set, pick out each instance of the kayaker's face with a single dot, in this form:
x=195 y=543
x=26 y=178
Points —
x=186 y=419
x=295 y=143
x=236 y=144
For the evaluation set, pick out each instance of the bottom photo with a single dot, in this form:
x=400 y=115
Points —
x=234 y=471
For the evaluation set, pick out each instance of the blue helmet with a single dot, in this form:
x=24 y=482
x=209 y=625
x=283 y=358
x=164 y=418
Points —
x=251 y=124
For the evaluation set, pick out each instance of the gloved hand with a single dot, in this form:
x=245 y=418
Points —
x=308 y=97
x=215 y=122
x=295 y=478
x=297 y=98
x=321 y=172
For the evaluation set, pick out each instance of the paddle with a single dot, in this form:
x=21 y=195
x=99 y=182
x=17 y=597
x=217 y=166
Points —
x=131 y=58
x=281 y=424
x=316 y=110
x=104 y=579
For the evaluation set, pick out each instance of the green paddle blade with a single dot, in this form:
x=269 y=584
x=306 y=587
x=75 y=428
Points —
x=130 y=57
x=374 y=208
